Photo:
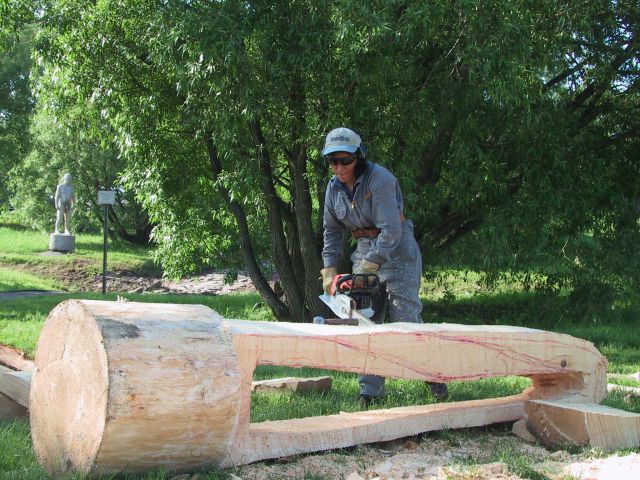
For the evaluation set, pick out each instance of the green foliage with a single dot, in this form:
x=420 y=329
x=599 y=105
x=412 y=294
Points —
x=17 y=458
x=517 y=463
x=513 y=127
x=16 y=105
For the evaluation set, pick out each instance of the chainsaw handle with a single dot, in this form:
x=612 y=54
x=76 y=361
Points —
x=355 y=283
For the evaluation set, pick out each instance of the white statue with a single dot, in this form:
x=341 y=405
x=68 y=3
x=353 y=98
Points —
x=65 y=201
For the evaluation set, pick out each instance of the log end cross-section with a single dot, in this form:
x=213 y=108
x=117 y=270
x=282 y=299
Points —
x=132 y=386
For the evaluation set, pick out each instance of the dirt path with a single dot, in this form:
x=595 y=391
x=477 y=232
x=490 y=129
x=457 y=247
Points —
x=78 y=277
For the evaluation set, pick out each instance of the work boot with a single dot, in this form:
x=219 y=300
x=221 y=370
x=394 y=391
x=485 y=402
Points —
x=439 y=390
x=367 y=400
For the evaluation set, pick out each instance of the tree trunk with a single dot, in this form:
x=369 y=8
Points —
x=278 y=308
x=288 y=278
x=301 y=194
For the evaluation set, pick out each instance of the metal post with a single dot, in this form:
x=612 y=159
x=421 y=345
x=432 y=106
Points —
x=104 y=255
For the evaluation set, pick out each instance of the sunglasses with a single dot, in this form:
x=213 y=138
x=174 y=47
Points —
x=341 y=160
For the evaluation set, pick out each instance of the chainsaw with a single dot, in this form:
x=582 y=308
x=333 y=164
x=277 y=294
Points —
x=352 y=297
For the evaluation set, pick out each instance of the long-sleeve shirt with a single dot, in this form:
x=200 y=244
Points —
x=376 y=201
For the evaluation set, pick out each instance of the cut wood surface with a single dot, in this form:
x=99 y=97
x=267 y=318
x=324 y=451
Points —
x=14 y=358
x=15 y=385
x=293 y=384
x=558 y=424
x=169 y=386
x=292 y=437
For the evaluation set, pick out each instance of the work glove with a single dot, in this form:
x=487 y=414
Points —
x=327 y=277
x=365 y=266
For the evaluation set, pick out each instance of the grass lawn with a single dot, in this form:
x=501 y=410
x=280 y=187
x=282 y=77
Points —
x=11 y=280
x=26 y=246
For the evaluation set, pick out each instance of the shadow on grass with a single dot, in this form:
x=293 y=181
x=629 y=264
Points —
x=530 y=309
x=15 y=226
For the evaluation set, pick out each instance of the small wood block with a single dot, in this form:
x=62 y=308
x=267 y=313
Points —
x=294 y=384
x=520 y=430
x=10 y=410
x=558 y=424
x=628 y=376
x=16 y=385
x=14 y=358
x=612 y=387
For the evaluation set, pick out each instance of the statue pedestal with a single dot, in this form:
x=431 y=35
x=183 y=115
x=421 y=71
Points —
x=62 y=242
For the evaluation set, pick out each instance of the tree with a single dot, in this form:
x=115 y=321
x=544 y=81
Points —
x=16 y=104
x=512 y=127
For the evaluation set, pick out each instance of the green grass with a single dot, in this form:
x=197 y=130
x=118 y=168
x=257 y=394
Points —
x=343 y=396
x=26 y=246
x=15 y=280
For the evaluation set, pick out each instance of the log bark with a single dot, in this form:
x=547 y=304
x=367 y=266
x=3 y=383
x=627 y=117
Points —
x=130 y=386
x=557 y=424
x=519 y=429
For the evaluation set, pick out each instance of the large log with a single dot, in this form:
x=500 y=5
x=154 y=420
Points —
x=131 y=386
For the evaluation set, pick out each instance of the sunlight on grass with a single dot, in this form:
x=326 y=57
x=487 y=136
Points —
x=27 y=246
x=457 y=297
x=17 y=459
x=11 y=280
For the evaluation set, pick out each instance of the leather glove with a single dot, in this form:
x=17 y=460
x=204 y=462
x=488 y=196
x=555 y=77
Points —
x=327 y=277
x=365 y=266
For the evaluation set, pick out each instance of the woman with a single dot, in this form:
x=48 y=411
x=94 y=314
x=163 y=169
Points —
x=365 y=199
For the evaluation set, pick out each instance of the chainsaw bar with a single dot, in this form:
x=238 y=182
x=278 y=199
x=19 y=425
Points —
x=344 y=307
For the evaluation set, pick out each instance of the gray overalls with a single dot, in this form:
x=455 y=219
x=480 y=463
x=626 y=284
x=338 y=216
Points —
x=376 y=202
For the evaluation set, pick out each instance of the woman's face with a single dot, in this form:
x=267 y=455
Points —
x=344 y=173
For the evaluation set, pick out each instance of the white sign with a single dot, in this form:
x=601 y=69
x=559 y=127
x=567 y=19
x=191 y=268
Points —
x=106 y=197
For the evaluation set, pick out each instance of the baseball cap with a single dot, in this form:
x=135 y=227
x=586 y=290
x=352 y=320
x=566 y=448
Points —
x=341 y=140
